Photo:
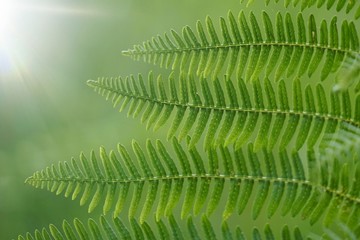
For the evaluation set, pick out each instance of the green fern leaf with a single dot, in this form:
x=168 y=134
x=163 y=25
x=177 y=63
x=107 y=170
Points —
x=262 y=120
x=346 y=6
x=302 y=194
x=117 y=229
x=223 y=119
x=245 y=51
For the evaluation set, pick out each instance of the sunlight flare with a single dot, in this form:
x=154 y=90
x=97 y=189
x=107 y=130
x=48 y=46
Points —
x=7 y=13
x=24 y=36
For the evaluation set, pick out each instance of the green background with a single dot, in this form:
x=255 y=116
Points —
x=47 y=112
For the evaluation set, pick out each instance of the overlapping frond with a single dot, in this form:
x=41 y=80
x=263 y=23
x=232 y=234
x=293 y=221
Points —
x=349 y=74
x=346 y=6
x=247 y=49
x=117 y=229
x=278 y=181
x=341 y=231
x=343 y=144
x=270 y=115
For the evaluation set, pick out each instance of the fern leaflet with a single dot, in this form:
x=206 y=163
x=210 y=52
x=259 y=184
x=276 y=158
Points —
x=230 y=120
x=339 y=5
x=251 y=50
x=117 y=229
x=310 y=193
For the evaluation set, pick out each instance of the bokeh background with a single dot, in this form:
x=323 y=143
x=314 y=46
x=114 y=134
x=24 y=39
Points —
x=48 y=49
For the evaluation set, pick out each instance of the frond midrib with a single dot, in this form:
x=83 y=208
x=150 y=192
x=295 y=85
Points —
x=338 y=193
x=239 y=45
x=325 y=116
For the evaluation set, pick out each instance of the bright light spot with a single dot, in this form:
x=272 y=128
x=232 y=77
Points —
x=7 y=11
x=7 y=15
x=27 y=33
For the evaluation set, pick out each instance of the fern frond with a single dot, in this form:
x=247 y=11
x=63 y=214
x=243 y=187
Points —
x=232 y=116
x=349 y=74
x=343 y=144
x=117 y=229
x=346 y=6
x=278 y=182
x=342 y=231
x=251 y=50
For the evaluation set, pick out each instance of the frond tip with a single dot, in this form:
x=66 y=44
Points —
x=278 y=181
x=228 y=112
x=251 y=51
